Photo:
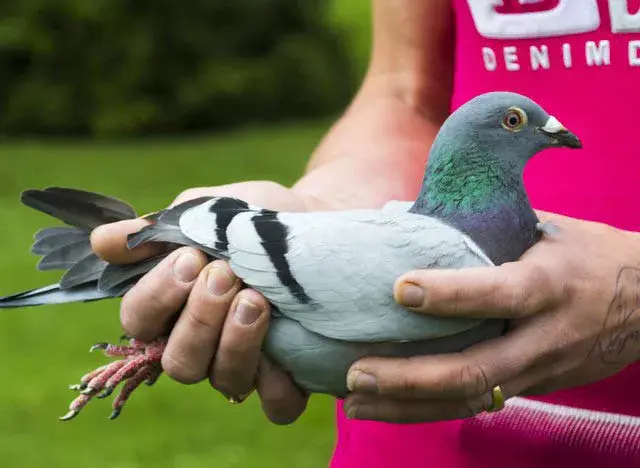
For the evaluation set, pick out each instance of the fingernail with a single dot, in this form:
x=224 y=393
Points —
x=240 y=398
x=361 y=382
x=352 y=412
x=219 y=281
x=247 y=312
x=187 y=267
x=411 y=295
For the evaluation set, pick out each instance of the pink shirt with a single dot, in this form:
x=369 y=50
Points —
x=580 y=59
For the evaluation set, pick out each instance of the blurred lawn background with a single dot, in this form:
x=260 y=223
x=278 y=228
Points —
x=45 y=349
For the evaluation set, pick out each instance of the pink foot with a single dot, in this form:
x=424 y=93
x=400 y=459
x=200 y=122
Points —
x=140 y=363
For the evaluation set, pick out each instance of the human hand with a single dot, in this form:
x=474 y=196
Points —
x=573 y=302
x=220 y=327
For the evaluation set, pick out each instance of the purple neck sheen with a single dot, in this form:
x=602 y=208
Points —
x=503 y=232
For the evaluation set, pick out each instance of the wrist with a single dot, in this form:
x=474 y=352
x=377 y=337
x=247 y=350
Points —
x=409 y=92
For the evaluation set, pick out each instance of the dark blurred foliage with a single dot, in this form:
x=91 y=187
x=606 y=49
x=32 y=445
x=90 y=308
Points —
x=127 y=67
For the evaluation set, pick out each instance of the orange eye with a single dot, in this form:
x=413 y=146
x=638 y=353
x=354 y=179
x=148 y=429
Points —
x=514 y=120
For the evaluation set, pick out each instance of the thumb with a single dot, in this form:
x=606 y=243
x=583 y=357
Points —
x=512 y=290
x=109 y=242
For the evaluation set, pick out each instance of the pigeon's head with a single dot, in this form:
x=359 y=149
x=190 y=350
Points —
x=509 y=125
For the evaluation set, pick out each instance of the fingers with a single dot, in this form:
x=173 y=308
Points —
x=236 y=362
x=147 y=309
x=368 y=407
x=109 y=242
x=512 y=290
x=195 y=336
x=466 y=375
x=282 y=401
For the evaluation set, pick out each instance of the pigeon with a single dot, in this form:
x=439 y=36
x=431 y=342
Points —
x=328 y=275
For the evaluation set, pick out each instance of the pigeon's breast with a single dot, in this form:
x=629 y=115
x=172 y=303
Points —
x=319 y=364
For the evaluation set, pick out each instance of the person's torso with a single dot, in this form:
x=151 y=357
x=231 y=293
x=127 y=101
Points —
x=580 y=59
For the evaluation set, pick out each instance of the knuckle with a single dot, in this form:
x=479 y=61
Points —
x=472 y=381
x=405 y=413
x=537 y=274
x=407 y=386
x=158 y=298
x=143 y=312
x=522 y=301
x=181 y=371
x=202 y=315
x=406 y=380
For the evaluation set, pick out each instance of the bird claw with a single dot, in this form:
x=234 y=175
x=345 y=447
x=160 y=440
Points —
x=140 y=363
x=70 y=415
x=98 y=346
x=105 y=393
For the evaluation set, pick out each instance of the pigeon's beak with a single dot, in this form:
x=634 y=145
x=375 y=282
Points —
x=559 y=134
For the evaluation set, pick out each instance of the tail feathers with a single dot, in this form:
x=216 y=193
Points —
x=54 y=231
x=66 y=256
x=87 y=278
x=84 y=271
x=115 y=207
x=114 y=277
x=83 y=210
x=69 y=247
x=53 y=294
x=55 y=240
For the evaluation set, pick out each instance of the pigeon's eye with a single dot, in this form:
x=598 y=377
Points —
x=514 y=120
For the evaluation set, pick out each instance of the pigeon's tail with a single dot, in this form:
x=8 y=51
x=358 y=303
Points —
x=53 y=294
x=87 y=278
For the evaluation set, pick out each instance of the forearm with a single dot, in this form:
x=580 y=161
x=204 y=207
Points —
x=377 y=151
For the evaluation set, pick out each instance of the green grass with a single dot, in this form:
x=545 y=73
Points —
x=353 y=18
x=44 y=349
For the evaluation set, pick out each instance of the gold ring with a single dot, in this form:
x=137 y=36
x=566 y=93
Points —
x=498 y=399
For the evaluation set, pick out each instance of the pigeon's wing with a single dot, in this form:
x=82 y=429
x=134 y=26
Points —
x=334 y=272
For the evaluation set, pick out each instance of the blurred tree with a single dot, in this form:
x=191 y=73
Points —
x=127 y=67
